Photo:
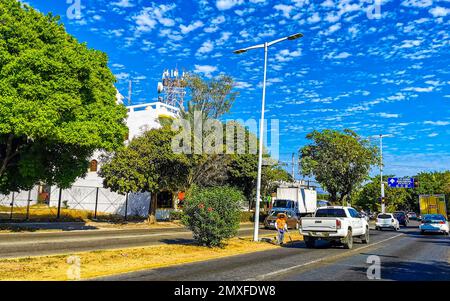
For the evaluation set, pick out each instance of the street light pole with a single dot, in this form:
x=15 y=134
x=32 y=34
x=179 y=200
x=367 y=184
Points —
x=383 y=206
x=266 y=46
x=261 y=143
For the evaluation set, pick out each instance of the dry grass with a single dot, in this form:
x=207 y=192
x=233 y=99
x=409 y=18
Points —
x=110 y=262
x=44 y=213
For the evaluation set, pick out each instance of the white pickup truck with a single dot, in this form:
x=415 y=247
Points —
x=336 y=224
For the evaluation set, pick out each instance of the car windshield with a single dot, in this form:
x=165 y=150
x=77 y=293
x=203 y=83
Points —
x=433 y=217
x=331 y=212
x=282 y=203
x=383 y=216
x=275 y=213
x=399 y=215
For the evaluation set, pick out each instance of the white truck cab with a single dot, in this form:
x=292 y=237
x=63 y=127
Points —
x=337 y=224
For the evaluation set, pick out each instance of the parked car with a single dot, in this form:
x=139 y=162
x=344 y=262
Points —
x=292 y=219
x=402 y=218
x=434 y=223
x=412 y=216
x=336 y=224
x=387 y=221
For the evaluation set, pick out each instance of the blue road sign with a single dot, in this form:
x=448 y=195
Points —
x=401 y=182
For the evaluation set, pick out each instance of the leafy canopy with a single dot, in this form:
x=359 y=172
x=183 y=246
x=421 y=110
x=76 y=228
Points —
x=212 y=214
x=339 y=161
x=57 y=101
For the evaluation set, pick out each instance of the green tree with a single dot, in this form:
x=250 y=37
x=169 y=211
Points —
x=148 y=164
x=57 y=101
x=243 y=169
x=431 y=183
x=213 y=97
x=368 y=197
x=339 y=161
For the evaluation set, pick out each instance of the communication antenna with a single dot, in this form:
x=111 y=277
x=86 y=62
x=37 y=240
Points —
x=172 y=89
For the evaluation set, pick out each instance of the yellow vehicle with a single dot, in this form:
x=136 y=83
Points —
x=432 y=204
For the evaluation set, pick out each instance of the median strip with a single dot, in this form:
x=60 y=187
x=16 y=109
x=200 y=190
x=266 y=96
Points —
x=110 y=262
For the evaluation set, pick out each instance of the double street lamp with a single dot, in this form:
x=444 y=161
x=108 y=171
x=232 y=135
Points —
x=266 y=45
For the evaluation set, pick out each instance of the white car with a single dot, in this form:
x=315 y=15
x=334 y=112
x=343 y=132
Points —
x=434 y=223
x=387 y=221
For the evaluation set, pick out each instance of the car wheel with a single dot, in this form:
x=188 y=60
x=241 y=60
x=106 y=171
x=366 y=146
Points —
x=365 y=237
x=310 y=242
x=348 y=244
x=422 y=232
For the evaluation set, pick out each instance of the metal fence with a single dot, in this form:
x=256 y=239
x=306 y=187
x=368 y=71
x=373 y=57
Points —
x=75 y=203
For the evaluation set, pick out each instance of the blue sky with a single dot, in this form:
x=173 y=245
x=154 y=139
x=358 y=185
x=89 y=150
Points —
x=352 y=69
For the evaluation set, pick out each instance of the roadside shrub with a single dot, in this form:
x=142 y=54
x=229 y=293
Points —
x=212 y=214
x=176 y=215
x=247 y=216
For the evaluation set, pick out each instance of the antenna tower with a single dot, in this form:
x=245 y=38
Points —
x=172 y=89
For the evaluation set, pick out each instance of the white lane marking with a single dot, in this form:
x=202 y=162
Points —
x=96 y=238
x=65 y=240
x=283 y=271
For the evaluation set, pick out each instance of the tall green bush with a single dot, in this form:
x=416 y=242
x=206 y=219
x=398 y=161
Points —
x=213 y=214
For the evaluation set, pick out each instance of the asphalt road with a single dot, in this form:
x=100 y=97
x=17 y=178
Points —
x=34 y=244
x=403 y=255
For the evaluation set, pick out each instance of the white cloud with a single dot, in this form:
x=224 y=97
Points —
x=122 y=75
x=333 y=55
x=193 y=26
x=149 y=17
x=207 y=70
x=314 y=18
x=242 y=85
x=285 y=55
x=433 y=135
x=439 y=122
x=387 y=115
x=227 y=4
x=410 y=43
x=333 y=28
x=223 y=38
x=206 y=47
x=419 y=89
x=218 y=20
x=123 y=3
x=417 y=3
x=286 y=9
x=439 y=11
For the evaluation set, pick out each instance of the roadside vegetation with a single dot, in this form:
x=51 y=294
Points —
x=58 y=101
x=111 y=262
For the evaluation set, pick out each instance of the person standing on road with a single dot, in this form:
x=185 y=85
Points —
x=281 y=226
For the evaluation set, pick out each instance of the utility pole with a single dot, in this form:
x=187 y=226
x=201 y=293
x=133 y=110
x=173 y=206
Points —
x=293 y=167
x=129 y=92
x=383 y=206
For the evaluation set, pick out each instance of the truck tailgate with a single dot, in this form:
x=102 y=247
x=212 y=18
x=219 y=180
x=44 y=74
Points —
x=319 y=224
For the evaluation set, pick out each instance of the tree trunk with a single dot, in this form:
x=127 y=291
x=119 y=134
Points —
x=152 y=209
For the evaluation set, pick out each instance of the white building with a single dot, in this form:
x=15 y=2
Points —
x=88 y=193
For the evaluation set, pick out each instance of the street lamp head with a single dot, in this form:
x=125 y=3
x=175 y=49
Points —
x=240 y=51
x=295 y=36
